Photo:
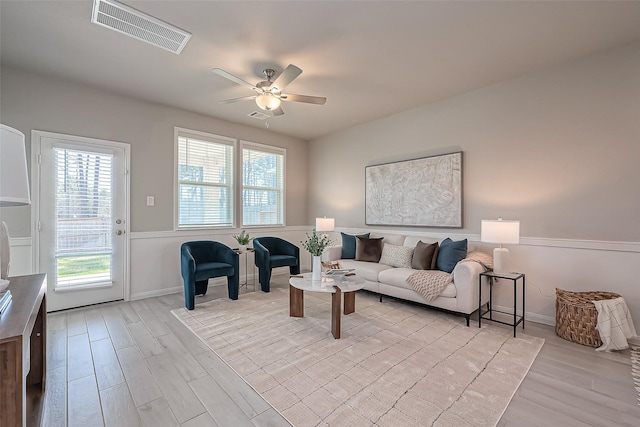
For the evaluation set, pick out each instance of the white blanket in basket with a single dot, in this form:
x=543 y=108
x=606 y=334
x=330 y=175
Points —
x=614 y=324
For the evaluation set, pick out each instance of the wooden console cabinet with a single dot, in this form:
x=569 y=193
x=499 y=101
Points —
x=23 y=350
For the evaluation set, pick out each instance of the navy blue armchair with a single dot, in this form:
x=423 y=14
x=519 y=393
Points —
x=202 y=260
x=271 y=252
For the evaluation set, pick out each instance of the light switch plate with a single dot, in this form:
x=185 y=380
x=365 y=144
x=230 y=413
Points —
x=151 y=201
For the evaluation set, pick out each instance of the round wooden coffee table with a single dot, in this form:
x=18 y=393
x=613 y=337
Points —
x=337 y=286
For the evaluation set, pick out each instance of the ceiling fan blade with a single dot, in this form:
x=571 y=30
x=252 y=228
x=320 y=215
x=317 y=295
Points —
x=303 y=98
x=288 y=75
x=231 y=101
x=238 y=80
x=278 y=112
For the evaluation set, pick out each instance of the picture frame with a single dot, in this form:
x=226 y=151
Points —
x=425 y=192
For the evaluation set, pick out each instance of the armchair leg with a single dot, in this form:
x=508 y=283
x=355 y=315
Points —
x=265 y=281
x=201 y=287
x=189 y=295
x=294 y=269
x=233 y=286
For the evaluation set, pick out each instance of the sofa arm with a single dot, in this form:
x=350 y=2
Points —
x=465 y=278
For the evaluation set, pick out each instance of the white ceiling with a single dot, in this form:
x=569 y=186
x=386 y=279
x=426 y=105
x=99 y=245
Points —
x=370 y=59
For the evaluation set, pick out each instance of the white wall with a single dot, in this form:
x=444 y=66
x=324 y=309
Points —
x=31 y=101
x=21 y=256
x=557 y=149
x=155 y=258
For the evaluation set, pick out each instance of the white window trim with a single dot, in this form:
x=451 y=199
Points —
x=267 y=149
x=204 y=136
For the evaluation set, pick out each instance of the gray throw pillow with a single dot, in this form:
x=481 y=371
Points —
x=369 y=250
x=425 y=256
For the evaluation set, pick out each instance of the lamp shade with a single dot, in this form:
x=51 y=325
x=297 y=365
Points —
x=14 y=180
x=325 y=224
x=500 y=231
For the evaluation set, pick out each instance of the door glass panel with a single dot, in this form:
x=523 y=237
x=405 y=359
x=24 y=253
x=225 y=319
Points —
x=84 y=230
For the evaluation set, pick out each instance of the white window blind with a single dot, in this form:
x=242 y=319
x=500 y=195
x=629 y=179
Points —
x=83 y=183
x=262 y=185
x=205 y=180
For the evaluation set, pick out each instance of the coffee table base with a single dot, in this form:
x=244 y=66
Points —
x=296 y=306
x=336 y=299
x=296 y=302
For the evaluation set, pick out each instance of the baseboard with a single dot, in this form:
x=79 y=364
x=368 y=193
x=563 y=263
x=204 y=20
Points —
x=530 y=317
x=155 y=293
x=218 y=281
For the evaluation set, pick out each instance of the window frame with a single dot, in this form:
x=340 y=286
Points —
x=237 y=187
x=232 y=186
x=241 y=187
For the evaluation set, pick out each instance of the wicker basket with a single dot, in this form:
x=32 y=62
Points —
x=577 y=317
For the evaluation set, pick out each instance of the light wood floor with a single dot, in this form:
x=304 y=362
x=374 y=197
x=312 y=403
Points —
x=134 y=364
x=574 y=385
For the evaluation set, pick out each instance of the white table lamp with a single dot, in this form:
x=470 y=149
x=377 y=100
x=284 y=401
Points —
x=325 y=224
x=503 y=233
x=14 y=184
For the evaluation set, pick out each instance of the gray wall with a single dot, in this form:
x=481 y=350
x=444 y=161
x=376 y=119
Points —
x=557 y=149
x=29 y=101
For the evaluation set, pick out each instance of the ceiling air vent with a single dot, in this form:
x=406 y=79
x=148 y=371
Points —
x=258 y=115
x=126 y=20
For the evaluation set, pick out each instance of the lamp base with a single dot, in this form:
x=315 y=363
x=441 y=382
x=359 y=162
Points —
x=501 y=260
x=4 y=251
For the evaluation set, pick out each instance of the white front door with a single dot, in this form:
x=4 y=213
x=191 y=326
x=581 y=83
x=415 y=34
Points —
x=81 y=218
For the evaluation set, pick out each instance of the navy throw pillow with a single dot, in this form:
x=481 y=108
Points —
x=451 y=253
x=349 y=245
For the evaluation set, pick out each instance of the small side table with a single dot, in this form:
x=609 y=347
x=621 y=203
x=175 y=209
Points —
x=514 y=277
x=246 y=253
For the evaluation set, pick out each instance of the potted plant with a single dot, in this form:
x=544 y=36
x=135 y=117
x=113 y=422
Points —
x=242 y=239
x=315 y=245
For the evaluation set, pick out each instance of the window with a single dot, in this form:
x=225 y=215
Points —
x=205 y=179
x=262 y=185
x=83 y=200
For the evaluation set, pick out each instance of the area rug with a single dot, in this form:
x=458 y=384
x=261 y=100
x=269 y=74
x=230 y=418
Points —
x=634 y=344
x=397 y=364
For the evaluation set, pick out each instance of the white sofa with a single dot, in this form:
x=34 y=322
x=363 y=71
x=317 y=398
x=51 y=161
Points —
x=460 y=296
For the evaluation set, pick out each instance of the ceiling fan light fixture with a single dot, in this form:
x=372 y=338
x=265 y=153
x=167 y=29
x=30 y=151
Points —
x=268 y=101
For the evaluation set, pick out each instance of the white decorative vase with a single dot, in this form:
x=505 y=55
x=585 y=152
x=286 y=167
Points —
x=316 y=270
x=243 y=247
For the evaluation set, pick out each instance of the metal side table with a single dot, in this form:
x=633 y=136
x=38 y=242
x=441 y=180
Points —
x=246 y=253
x=488 y=314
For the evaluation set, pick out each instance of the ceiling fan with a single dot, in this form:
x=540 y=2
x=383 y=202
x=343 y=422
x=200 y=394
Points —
x=268 y=94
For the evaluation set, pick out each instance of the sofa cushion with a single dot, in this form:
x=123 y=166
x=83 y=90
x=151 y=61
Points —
x=368 y=250
x=349 y=245
x=451 y=253
x=425 y=256
x=367 y=270
x=398 y=277
x=396 y=256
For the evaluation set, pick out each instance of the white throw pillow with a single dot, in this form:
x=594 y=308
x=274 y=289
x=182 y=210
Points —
x=396 y=256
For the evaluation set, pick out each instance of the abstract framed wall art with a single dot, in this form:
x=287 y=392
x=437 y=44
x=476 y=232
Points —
x=419 y=192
